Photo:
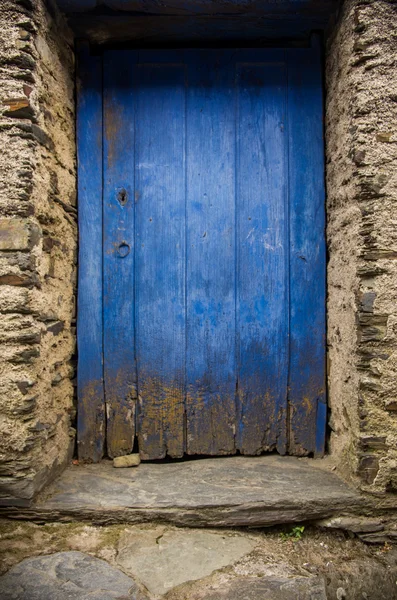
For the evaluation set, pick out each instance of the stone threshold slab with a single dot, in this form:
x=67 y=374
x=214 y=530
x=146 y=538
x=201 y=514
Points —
x=211 y=492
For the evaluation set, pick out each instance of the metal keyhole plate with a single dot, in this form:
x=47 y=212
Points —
x=122 y=197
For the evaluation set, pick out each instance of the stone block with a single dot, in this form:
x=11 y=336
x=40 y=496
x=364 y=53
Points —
x=226 y=492
x=373 y=442
x=56 y=328
x=24 y=385
x=353 y=524
x=147 y=555
x=372 y=329
x=375 y=538
x=14 y=300
x=25 y=356
x=384 y=136
x=25 y=408
x=20 y=491
x=368 y=467
x=71 y=575
x=17 y=261
x=18 y=280
x=43 y=138
x=131 y=460
x=14 y=234
x=18 y=108
x=16 y=491
x=391 y=405
x=367 y=302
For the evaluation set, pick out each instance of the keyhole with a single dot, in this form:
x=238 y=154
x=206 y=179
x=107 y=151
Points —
x=122 y=197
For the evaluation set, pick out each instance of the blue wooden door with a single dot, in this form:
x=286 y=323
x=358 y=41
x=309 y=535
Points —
x=213 y=252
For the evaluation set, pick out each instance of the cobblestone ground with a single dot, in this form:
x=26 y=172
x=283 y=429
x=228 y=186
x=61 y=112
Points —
x=78 y=561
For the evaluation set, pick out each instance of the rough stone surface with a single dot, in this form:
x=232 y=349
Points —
x=67 y=576
x=230 y=491
x=353 y=524
x=340 y=560
x=264 y=588
x=14 y=234
x=162 y=559
x=361 y=149
x=37 y=246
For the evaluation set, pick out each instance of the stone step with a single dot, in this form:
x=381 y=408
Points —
x=211 y=492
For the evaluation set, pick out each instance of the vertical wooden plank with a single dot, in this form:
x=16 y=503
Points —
x=307 y=253
x=210 y=359
x=262 y=261
x=118 y=258
x=160 y=255
x=91 y=406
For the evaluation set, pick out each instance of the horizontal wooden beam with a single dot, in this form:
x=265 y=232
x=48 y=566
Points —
x=148 y=30
x=184 y=7
x=186 y=22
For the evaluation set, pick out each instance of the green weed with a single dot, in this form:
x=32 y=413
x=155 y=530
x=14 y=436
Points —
x=295 y=534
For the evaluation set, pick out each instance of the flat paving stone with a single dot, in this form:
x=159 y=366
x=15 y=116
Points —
x=231 y=491
x=162 y=559
x=67 y=576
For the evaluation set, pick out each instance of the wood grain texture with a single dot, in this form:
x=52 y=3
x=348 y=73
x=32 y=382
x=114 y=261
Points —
x=262 y=243
x=119 y=252
x=160 y=253
x=91 y=408
x=210 y=202
x=307 y=253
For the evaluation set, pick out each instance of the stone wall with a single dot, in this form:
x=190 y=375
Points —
x=37 y=246
x=361 y=138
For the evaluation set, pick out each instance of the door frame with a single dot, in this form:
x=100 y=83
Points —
x=91 y=413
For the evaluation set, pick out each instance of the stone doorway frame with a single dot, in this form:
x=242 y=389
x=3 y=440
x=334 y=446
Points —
x=38 y=245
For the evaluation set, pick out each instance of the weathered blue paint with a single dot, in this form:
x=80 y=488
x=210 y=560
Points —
x=118 y=253
x=211 y=250
x=307 y=252
x=262 y=247
x=91 y=409
x=215 y=315
x=160 y=252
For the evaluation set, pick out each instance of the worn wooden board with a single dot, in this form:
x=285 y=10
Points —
x=160 y=253
x=307 y=393
x=119 y=252
x=210 y=231
x=91 y=408
x=262 y=247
